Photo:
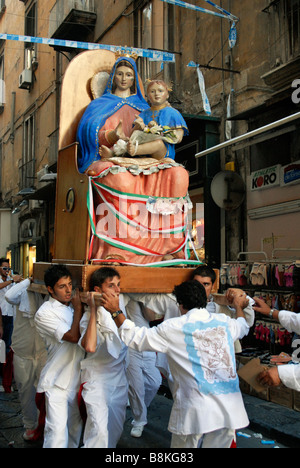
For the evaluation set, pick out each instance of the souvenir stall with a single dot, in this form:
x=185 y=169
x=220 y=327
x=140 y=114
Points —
x=277 y=282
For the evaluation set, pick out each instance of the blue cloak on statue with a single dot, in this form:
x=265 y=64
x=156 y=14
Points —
x=168 y=116
x=98 y=112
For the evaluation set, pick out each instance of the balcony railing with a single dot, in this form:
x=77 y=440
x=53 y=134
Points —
x=53 y=148
x=62 y=16
x=27 y=174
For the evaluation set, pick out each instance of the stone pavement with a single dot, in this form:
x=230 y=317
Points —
x=275 y=421
x=11 y=426
x=155 y=435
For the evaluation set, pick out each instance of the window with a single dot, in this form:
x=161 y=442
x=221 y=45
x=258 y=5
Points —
x=292 y=15
x=27 y=169
x=151 y=26
x=1 y=151
x=196 y=223
x=143 y=37
x=2 y=82
x=281 y=150
x=30 y=30
x=284 y=30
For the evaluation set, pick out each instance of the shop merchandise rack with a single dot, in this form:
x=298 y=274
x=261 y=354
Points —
x=277 y=281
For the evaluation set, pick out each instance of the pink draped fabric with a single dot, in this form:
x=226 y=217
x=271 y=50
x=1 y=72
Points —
x=169 y=182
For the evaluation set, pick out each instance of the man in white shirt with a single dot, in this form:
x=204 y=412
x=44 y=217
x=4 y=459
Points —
x=208 y=404
x=143 y=376
x=29 y=352
x=207 y=277
x=103 y=371
x=289 y=375
x=57 y=321
x=7 y=310
x=164 y=305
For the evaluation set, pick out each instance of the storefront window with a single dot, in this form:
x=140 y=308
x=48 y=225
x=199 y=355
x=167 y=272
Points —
x=31 y=259
x=279 y=150
x=196 y=224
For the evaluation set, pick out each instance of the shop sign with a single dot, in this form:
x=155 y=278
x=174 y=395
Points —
x=266 y=178
x=290 y=174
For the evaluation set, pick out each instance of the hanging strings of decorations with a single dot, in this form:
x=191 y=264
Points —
x=189 y=6
x=221 y=13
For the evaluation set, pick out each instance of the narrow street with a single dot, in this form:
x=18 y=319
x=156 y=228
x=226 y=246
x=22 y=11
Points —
x=155 y=435
x=156 y=137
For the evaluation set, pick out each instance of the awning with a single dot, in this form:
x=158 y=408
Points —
x=249 y=135
x=46 y=193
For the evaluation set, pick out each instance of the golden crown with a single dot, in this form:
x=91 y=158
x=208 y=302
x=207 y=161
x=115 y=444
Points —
x=126 y=52
x=169 y=85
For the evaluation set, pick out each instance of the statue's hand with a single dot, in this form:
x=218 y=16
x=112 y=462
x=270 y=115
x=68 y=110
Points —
x=139 y=124
x=120 y=135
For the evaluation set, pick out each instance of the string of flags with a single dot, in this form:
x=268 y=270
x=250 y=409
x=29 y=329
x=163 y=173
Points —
x=154 y=55
x=224 y=13
x=206 y=104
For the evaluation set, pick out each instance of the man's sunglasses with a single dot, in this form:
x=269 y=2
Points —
x=6 y=268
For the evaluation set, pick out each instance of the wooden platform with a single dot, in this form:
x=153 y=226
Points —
x=72 y=225
x=148 y=280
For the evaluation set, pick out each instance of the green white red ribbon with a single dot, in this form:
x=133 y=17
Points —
x=125 y=244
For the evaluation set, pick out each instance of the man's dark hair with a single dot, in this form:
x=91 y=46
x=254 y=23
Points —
x=205 y=271
x=99 y=276
x=191 y=295
x=3 y=260
x=55 y=273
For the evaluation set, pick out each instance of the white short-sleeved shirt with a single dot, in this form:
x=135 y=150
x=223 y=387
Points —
x=6 y=308
x=53 y=320
x=108 y=363
x=26 y=341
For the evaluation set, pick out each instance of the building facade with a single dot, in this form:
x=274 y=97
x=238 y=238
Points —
x=249 y=84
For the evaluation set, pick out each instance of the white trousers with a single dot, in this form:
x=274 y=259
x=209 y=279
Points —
x=26 y=374
x=106 y=413
x=221 y=438
x=63 y=426
x=144 y=380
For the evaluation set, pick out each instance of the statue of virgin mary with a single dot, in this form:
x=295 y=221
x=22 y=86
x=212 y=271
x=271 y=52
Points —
x=137 y=206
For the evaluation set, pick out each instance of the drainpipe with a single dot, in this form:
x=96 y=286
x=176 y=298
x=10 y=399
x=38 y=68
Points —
x=12 y=122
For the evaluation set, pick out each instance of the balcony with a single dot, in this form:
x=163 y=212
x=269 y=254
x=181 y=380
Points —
x=2 y=8
x=281 y=78
x=72 y=19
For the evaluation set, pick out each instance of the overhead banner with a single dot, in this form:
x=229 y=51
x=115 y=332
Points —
x=232 y=36
x=154 y=55
x=224 y=13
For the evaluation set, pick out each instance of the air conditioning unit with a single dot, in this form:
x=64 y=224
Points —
x=42 y=172
x=25 y=79
x=34 y=205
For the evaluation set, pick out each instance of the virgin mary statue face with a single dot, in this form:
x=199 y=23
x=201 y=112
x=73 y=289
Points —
x=124 y=79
